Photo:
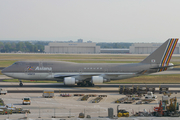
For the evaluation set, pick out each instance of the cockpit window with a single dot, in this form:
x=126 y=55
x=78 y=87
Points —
x=15 y=63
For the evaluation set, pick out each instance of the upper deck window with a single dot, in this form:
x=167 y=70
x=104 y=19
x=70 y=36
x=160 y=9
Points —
x=34 y=64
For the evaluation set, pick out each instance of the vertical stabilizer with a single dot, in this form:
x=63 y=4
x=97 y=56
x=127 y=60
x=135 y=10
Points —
x=163 y=54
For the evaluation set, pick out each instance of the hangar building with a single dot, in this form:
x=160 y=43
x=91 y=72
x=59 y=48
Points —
x=72 y=47
x=148 y=48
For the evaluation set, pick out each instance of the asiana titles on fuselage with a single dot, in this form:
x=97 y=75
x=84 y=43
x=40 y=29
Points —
x=43 y=68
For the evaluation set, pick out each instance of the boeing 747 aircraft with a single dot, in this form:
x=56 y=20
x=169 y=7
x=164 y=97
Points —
x=88 y=74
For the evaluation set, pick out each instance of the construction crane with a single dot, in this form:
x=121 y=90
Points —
x=158 y=111
x=168 y=110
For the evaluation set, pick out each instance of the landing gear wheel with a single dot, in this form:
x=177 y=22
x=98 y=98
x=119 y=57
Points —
x=20 y=84
x=82 y=84
x=85 y=84
x=91 y=84
x=78 y=84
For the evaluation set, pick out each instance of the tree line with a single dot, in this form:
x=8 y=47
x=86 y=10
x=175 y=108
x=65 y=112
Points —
x=21 y=46
x=38 y=46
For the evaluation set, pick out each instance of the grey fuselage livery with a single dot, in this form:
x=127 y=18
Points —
x=58 y=70
x=82 y=73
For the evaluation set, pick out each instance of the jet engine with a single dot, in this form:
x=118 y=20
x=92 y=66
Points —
x=69 y=81
x=97 y=80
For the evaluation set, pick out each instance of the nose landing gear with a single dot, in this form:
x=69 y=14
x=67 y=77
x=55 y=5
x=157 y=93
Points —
x=20 y=83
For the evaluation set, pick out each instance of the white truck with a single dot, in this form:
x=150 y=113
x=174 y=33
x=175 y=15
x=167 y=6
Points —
x=26 y=101
x=3 y=91
x=48 y=93
x=150 y=96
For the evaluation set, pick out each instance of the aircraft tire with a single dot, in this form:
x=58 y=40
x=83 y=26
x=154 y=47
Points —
x=82 y=85
x=20 y=84
x=86 y=85
x=78 y=84
x=89 y=84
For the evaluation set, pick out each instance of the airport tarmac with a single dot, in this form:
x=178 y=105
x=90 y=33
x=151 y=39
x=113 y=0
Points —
x=63 y=107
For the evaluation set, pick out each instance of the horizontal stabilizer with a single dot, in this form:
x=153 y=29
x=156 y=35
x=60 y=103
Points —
x=163 y=67
x=142 y=72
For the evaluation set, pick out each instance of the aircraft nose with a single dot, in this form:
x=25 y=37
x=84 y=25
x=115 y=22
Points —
x=3 y=71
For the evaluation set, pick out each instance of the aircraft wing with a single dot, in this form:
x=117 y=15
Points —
x=94 y=74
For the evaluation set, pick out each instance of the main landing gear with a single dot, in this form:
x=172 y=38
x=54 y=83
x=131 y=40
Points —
x=85 y=84
x=20 y=83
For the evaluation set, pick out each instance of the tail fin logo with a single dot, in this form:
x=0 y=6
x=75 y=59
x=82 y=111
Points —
x=153 y=61
x=168 y=53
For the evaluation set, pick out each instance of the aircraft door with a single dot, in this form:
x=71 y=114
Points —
x=80 y=71
x=50 y=73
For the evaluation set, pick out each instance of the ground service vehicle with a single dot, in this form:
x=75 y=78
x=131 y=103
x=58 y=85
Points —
x=150 y=96
x=26 y=101
x=48 y=93
x=135 y=90
x=122 y=112
x=5 y=111
x=3 y=91
x=81 y=115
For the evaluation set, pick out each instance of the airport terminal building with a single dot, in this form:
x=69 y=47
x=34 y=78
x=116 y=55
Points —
x=148 y=48
x=72 y=48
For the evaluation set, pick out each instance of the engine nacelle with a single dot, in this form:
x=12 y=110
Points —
x=97 y=80
x=69 y=81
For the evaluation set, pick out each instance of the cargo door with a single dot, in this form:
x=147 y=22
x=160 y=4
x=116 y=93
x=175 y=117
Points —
x=50 y=73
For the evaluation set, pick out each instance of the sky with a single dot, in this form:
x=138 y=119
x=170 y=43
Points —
x=95 y=20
